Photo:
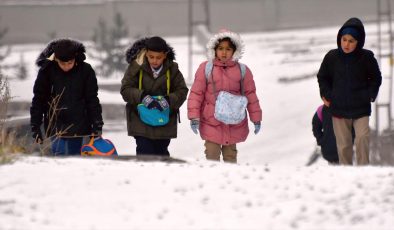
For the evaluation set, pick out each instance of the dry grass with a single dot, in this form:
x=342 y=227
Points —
x=4 y=100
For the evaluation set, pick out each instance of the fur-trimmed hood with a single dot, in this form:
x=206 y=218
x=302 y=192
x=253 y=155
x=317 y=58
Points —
x=137 y=51
x=48 y=52
x=235 y=38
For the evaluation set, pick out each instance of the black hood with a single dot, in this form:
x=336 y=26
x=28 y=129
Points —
x=358 y=25
x=49 y=50
x=134 y=50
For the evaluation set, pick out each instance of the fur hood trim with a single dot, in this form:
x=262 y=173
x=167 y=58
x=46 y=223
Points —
x=235 y=38
x=48 y=52
x=137 y=51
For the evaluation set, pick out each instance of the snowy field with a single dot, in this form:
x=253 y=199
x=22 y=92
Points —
x=270 y=187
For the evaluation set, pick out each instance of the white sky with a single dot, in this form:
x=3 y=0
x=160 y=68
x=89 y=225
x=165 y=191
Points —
x=270 y=188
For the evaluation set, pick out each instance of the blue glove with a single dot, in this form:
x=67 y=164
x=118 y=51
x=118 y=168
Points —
x=195 y=125
x=257 y=126
x=151 y=103
x=163 y=102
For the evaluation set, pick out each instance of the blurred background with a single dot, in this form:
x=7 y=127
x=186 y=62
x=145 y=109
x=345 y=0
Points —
x=40 y=20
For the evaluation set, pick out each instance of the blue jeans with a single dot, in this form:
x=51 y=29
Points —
x=66 y=146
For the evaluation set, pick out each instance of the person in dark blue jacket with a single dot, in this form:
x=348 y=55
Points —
x=65 y=98
x=323 y=131
x=349 y=79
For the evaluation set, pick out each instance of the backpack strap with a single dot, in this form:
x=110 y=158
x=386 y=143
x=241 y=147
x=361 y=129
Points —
x=208 y=73
x=208 y=69
x=242 y=68
x=167 y=77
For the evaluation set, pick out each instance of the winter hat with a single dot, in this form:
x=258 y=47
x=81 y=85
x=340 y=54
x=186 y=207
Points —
x=156 y=44
x=352 y=31
x=65 y=50
x=235 y=39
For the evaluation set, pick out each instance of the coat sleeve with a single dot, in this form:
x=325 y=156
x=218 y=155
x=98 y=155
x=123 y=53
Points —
x=39 y=105
x=317 y=129
x=129 y=86
x=254 y=109
x=374 y=76
x=94 y=109
x=324 y=79
x=178 y=92
x=197 y=93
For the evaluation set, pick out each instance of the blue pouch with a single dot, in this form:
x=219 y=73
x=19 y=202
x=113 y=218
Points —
x=153 y=117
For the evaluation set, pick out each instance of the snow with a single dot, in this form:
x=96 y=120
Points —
x=269 y=188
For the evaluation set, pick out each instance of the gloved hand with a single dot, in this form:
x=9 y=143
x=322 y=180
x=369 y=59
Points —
x=257 y=126
x=195 y=125
x=151 y=103
x=37 y=134
x=163 y=102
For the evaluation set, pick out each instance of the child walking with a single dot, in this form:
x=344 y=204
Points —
x=152 y=80
x=224 y=50
x=65 y=97
x=349 y=79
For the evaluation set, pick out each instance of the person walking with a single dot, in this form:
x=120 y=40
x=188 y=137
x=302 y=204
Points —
x=349 y=79
x=222 y=72
x=65 y=98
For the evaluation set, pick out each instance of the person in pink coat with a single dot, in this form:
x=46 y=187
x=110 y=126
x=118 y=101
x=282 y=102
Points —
x=224 y=50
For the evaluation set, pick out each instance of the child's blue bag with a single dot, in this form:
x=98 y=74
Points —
x=99 y=147
x=153 y=117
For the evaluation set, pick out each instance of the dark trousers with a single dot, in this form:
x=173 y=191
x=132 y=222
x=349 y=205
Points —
x=66 y=146
x=146 y=146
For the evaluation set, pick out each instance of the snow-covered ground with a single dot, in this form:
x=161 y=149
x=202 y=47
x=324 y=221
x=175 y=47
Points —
x=270 y=187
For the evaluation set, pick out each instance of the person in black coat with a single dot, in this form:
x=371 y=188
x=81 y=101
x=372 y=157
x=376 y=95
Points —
x=65 y=98
x=323 y=131
x=349 y=79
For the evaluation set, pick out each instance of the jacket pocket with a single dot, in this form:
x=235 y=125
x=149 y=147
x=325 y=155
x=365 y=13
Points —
x=208 y=114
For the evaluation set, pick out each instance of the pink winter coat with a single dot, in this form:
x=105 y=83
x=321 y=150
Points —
x=201 y=102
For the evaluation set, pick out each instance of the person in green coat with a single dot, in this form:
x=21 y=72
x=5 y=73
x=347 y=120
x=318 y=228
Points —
x=154 y=81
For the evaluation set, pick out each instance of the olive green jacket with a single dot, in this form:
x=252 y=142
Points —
x=132 y=95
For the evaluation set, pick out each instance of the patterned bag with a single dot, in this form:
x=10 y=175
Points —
x=230 y=109
x=99 y=147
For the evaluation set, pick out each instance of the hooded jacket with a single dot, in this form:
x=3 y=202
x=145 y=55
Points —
x=131 y=93
x=66 y=101
x=350 y=81
x=227 y=77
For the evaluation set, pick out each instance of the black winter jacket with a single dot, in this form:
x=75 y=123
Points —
x=67 y=101
x=350 y=81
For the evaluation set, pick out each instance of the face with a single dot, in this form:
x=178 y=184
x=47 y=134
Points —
x=348 y=43
x=66 y=65
x=224 y=52
x=155 y=59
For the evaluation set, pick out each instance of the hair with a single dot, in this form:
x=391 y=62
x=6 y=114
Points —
x=156 y=44
x=232 y=45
